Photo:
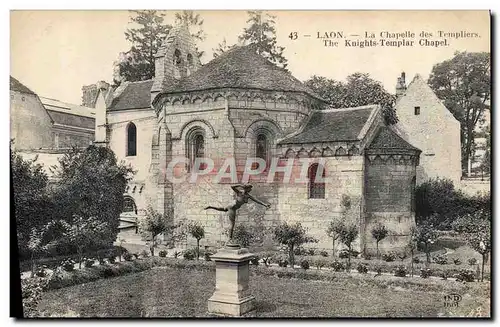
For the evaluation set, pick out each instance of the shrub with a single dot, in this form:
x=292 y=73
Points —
x=136 y=255
x=379 y=232
x=440 y=259
x=177 y=254
x=362 y=268
x=337 y=266
x=255 y=260
x=319 y=263
x=367 y=256
x=196 y=230
x=465 y=275
x=112 y=258
x=283 y=262
x=425 y=272
x=389 y=257
x=244 y=235
x=41 y=271
x=127 y=256
x=189 y=254
x=299 y=251
x=68 y=264
x=378 y=270
x=343 y=254
x=88 y=262
x=267 y=258
x=162 y=253
x=400 y=271
x=472 y=261
x=457 y=261
x=101 y=260
x=207 y=256
x=292 y=236
x=323 y=253
x=31 y=291
x=304 y=264
x=311 y=251
x=144 y=253
x=445 y=274
x=416 y=260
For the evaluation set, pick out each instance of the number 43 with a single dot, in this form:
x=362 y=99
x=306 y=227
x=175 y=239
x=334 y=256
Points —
x=293 y=36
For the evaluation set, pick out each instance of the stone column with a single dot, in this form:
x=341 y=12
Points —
x=232 y=295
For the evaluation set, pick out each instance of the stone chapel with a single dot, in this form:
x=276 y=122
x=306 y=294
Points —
x=240 y=105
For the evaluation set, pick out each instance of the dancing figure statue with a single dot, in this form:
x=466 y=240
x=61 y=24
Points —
x=242 y=197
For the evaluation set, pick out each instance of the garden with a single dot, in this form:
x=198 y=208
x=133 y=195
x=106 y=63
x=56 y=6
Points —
x=73 y=265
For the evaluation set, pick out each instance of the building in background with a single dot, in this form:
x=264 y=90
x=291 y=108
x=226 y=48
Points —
x=46 y=128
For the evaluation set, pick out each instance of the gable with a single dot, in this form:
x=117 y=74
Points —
x=132 y=95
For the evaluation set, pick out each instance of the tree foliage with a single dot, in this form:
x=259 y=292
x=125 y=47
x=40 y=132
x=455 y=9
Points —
x=221 y=48
x=347 y=236
x=379 y=232
x=91 y=183
x=153 y=224
x=358 y=90
x=262 y=32
x=32 y=202
x=426 y=235
x=292 y=236
x=198 y=232
x=334 y=230
x=146 y=38
x=464 y=84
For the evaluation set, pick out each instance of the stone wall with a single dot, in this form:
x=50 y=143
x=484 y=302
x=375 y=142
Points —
x=388 y=200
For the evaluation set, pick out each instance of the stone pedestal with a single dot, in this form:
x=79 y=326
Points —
x=232 y=295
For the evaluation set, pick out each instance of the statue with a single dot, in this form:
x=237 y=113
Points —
x=242 y=197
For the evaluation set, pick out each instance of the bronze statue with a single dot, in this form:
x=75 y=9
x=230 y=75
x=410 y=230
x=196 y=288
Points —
x=242 y=197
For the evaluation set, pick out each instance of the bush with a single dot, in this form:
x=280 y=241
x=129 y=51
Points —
x=416 y=260
x=31 y=291
x=337 y=266
x=282 y=262
x=425 y=272
x=68 y=264
x=400 y=271
x=319 y=263
x=472 y=261
x=136 y=255
x=465 y=275
x=207 y=256
x=311 y=251
x=378 y=270
x=162 y=253
x=88 y=262
x=177 y=254
x=323 y=253
x=267 y=258
x=343 y=254
x=255 y=260
x=362 y=268
x=101 y=260
x=304 y=264
x=41 y=271
x=144 y=253
x=440 y=259
x=112 y=259
x=445 y=274
x=299 y=251
x=189 y=254
x=389 y=257
x=367 y=256
x=127 y=256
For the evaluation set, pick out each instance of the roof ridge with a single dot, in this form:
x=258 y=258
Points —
x=368 y=106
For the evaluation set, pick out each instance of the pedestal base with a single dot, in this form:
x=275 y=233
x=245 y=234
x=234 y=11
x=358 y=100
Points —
x=232 y=296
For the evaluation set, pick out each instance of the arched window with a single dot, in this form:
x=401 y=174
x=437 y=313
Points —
x=131 y=140
x=262 y=147
x=129 y=205
x=413 y=196
x=196 y=146
x=177 y=63
x=316 y=187
x=189 y=63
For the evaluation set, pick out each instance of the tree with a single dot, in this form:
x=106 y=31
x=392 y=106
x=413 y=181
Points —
x=464 y=84
x=32 y=202
x=244 y=235
x=359 y=90
x=333 y=231
x=198 y=232
x=477 y=231
x=86 y=233
x=412 y=245
x=426 y=236
x=379 y=232
x=262 y=33
x=292 y=236
x=348 y=236
x=138 y=64
x=91 y=183
x=221 y=48
x=194 y=23
x=153 y=224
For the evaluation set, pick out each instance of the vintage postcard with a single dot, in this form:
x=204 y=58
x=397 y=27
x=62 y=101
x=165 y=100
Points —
x=256 y=164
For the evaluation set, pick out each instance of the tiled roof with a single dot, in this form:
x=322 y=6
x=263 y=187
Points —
x=67 y=108
x=17 y=86
x=240 y=67
x=388 y=140
x=69 y=119
x=333 y=125
x=134 y=95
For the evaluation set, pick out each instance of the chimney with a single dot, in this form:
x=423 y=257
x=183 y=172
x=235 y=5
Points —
x=89 y=94
x=401 y=85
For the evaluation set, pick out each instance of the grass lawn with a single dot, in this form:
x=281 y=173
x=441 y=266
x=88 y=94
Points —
x=174 y=292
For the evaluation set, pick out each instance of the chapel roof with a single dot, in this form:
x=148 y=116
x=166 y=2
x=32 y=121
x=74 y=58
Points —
x=17 y=86
x=240 y=67
x=132 y=95
x=333 y=125
x=387 y=139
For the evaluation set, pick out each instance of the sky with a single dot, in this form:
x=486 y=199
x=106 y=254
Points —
x=55 y=53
